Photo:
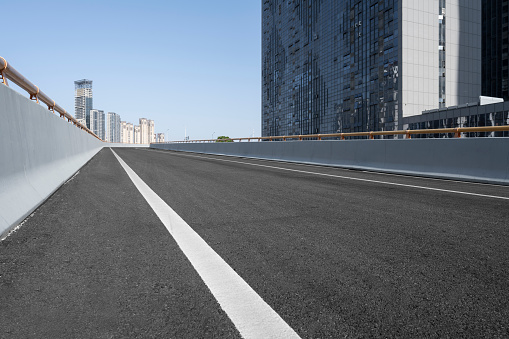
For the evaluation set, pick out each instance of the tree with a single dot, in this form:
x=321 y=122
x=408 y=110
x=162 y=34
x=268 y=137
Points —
x=223 y=138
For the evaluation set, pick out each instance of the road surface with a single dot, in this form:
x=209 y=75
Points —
x=333 y=253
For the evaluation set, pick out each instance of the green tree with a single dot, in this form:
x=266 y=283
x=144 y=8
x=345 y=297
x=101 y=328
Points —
x=223 y=138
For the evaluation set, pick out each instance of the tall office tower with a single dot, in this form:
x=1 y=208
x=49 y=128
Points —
x=83 y=100
x=112 y=127
x=495 y=48
x=137 y=135
x=144 y=127
x=347 y=66
x=97 y=123
x=151 y=131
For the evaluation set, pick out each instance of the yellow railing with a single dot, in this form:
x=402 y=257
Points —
x=371 y=135
x=8 y=72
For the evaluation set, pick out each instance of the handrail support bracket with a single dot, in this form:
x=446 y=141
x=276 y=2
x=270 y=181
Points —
x=4 y=78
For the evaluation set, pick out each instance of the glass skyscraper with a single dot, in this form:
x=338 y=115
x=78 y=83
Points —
x=346 y=66
x=83 y=100
x=495 y=48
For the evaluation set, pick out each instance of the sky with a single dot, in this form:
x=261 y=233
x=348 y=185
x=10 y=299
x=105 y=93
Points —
x=191 y=66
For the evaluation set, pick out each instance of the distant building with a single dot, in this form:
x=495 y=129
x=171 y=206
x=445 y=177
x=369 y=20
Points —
x=130 y=133
x=147 y=127
x=348 y=66
x=112 y=127
x=123 y=131
x=83 y=100
x=159 y=137
x=127 y=132
x=144 y=131
x=151 y=131
x=495 y=48
x=97 y=123
x=137 y=135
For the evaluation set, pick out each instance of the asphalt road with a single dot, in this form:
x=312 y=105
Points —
x=336 y=253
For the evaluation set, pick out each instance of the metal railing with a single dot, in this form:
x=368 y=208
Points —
x=370 y=135
x=8 y=72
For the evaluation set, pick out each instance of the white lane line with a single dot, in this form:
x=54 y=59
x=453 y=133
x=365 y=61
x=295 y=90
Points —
x=250 y=314
x=434 y=179
x=352 y=178
x=374 y=172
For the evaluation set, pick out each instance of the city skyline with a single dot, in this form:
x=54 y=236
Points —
x=184 y=92
x=181 y=64
x=108 y=126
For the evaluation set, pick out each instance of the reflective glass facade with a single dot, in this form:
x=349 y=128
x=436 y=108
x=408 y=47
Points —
x=329 y=66
x=495 y=48
x=468 y=116
x=441 y=53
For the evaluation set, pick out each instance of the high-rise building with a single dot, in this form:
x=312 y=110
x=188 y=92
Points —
x=144 y=128
x=83 y=100
x=129 y=133
x=151 y=131
x=123 y=131
x=345 y=66
x=495 y=48
x=112 y=127
x=147 y=132
x=137 y=135
x=97 y=123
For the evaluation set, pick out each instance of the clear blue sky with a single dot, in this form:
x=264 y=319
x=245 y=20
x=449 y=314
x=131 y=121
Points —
x=193 y=64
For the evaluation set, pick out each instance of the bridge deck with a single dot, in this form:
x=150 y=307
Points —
x=334 y=252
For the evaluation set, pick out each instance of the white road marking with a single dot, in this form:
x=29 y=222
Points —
x=433 y=179
x=374 y=172
x=250 y=314
x=352 y=178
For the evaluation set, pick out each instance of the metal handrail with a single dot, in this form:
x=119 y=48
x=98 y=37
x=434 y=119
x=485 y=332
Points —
x=9 y=72
x=408 y=133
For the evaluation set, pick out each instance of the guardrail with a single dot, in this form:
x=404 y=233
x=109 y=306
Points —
x=371 y=135
x=8 y=72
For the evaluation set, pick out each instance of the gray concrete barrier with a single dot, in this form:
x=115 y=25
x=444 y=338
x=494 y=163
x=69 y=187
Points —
x=39 y=151
x=471 y=159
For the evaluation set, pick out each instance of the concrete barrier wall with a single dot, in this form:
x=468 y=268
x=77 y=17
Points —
x=39 y=151
x=474 y=159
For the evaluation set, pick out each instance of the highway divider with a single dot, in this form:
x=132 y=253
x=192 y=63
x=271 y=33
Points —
x=470 y=159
